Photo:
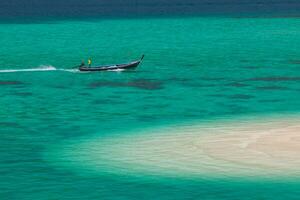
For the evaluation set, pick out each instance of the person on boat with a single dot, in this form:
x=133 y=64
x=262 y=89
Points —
x=89 y=62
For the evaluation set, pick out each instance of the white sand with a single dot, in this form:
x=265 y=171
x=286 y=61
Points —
x=265 y=148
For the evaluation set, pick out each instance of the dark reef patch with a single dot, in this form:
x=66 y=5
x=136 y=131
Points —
x=23 y=94
x=9 y=125
x=161 y=106
x=212 y=78
x=61 y=87
x=244 y=61
x=271 y=88
x=296 y=62
x=115 y=96
x=237 y=84
x=252 y=67
x=275 y=79
x=270 y=101
x=108 y=102
x=145 y=84
x=11 y=83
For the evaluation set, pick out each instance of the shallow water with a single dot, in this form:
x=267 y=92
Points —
x=195 y=70
x=261 y=148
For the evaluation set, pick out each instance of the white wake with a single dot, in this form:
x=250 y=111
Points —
x=37 y=69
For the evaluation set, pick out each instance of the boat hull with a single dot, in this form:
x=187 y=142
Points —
x=126 y=66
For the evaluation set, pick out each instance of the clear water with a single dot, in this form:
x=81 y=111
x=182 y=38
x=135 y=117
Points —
x=195 y=69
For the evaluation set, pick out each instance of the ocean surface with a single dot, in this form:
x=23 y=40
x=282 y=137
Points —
x=38 y=9
x=195 y=69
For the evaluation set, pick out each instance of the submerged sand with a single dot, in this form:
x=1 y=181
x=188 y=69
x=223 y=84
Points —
x=244 y=148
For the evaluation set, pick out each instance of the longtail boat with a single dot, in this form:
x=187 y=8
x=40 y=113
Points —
x=131 y=65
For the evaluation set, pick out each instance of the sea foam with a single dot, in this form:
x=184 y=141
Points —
x=37 y=69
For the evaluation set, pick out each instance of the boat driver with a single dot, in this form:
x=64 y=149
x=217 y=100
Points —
x=89 y=62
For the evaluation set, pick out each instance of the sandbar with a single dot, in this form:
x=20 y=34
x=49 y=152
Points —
x=260 y=147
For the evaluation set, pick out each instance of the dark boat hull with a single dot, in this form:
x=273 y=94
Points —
x=131 y=65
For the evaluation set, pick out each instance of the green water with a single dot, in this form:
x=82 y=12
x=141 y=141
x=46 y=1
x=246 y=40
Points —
x=195 y=69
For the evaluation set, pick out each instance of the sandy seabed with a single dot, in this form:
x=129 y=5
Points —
x=264 y=147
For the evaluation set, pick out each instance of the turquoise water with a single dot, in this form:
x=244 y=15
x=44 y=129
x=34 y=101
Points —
x=195 y=69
